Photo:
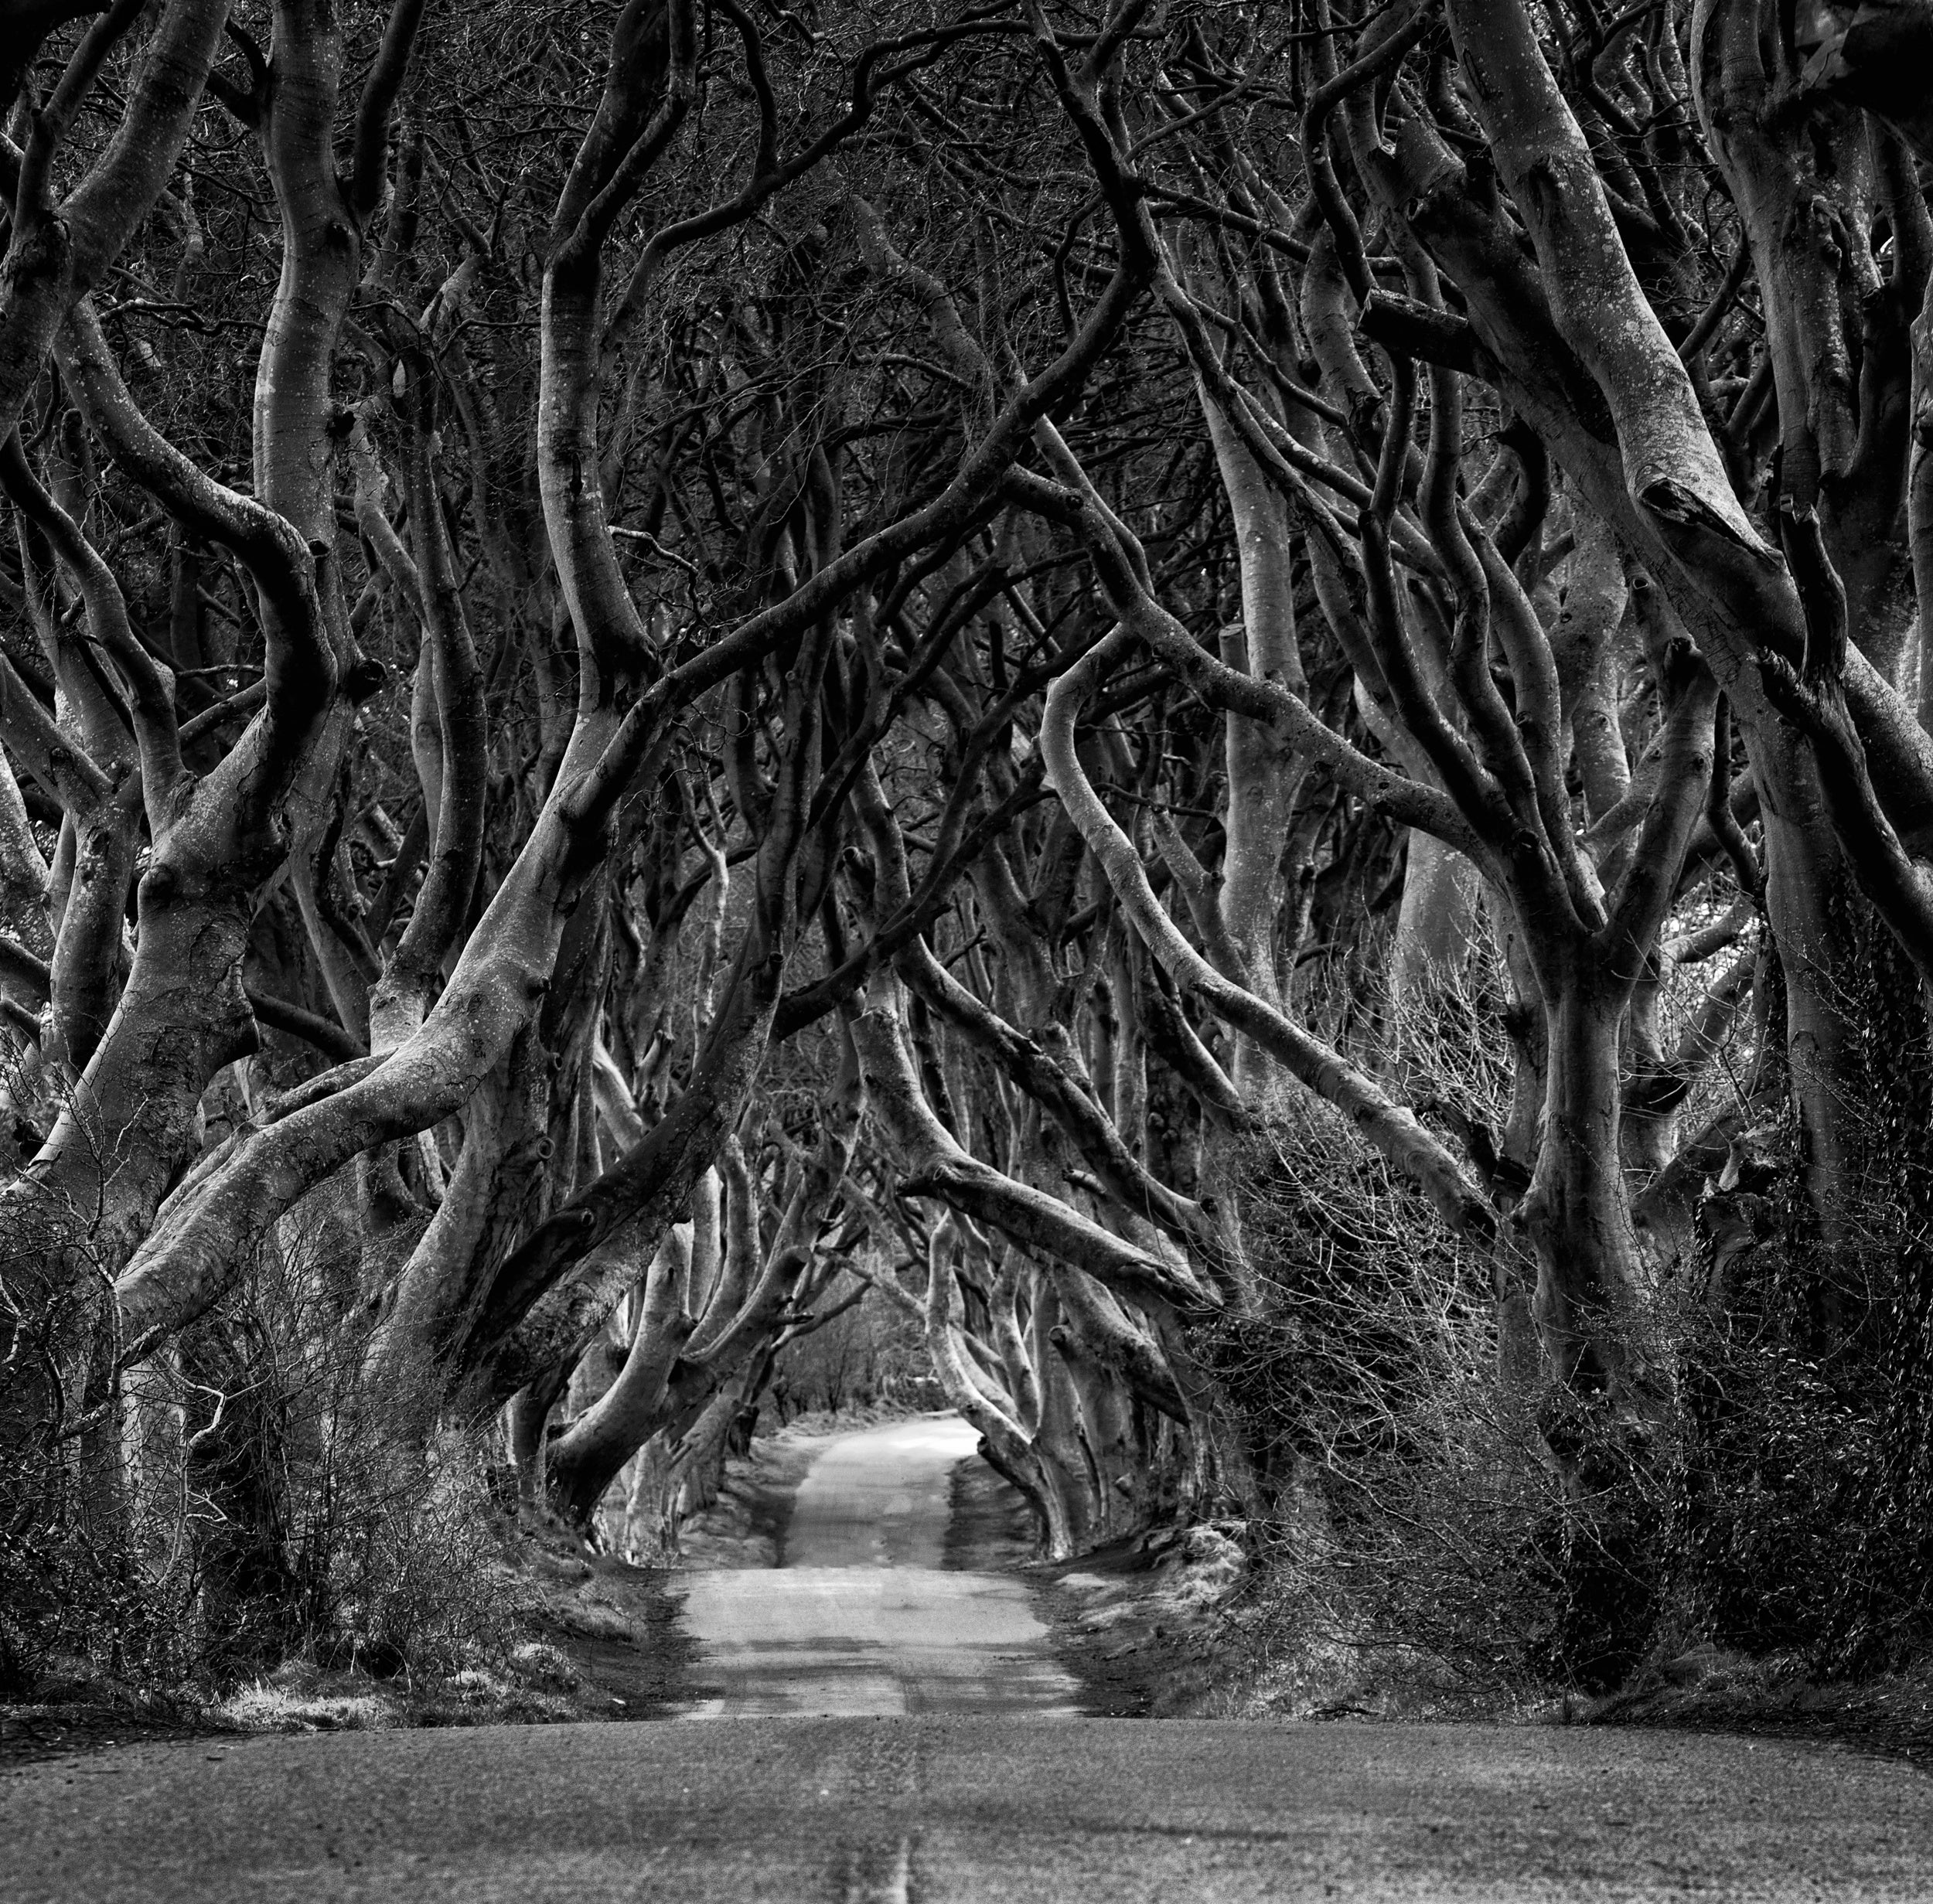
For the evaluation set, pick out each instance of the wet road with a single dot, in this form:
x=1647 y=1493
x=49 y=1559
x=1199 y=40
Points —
x=859 y=1620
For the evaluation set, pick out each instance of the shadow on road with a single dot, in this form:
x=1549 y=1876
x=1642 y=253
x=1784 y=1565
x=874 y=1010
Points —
x=869 y=1612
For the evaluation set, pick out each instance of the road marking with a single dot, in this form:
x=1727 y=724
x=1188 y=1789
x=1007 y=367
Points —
x=893 y=1886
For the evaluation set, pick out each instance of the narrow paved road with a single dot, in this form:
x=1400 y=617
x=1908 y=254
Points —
x=858 y=1619
x=965 y=1810
x=954 y=1807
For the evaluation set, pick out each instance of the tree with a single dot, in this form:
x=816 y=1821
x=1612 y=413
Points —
x=949 y=658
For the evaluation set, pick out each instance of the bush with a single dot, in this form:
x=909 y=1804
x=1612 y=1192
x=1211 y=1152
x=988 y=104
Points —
x=265 y=1505
x=1803 y=1519
x=77 y=1609
x=1429 y=1519
x=1409 y=1509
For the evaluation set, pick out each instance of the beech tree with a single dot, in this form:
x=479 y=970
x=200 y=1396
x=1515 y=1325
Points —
x=1045 y=669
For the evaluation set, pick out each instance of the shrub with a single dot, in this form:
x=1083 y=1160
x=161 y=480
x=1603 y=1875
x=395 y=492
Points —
x=1416 y=1526
x=1409 y=1507
x=265 y=1504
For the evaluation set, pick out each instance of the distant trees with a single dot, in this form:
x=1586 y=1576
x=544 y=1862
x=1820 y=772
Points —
x=669 y=673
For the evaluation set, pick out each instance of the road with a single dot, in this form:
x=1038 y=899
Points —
x=960 y=1810
x=858 y=1619
x=955 y=1805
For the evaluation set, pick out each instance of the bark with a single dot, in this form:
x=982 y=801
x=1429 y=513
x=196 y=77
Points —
x=1919 y=501
x=1840 y=395
x=1585 y=647
x=583 y=1461
x=1392 y=1130
x=498 y=980
x=936 y=1165
x=1437 y=927
x=1262 y=785
x=55 y=254
x=1590 y=367
x=687 y=1362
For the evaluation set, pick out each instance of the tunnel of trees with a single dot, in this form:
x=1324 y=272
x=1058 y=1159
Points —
x=1228 y=698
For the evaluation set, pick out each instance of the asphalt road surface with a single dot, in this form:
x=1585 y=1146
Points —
x=858 y=1619
x=954 y=1806
x=1007 y=1810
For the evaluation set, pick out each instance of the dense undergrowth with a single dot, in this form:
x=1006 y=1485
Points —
x=1444 y=1530
x=287 y=1550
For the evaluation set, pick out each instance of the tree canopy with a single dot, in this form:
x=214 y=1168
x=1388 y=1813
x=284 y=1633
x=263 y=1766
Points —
x=1228 y=699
